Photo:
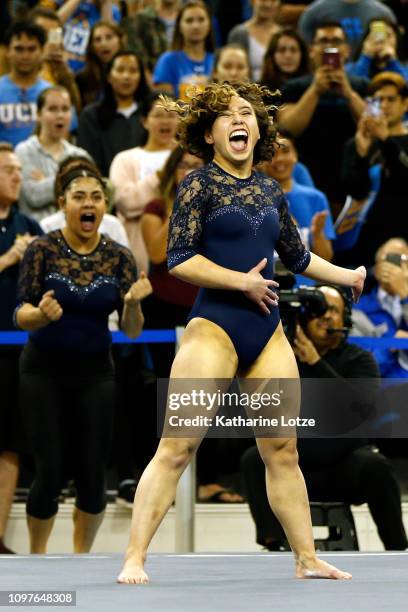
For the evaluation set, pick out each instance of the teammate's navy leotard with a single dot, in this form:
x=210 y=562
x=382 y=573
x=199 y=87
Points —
x=235 y=223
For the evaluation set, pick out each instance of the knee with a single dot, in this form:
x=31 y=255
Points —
x=377 y=468
x=176 y=455
x=49 y=480
x=91 y=500
x=281 y=454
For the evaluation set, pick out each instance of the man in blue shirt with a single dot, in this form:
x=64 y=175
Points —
x=16 y=233
x=20 y=88
x=384 y=311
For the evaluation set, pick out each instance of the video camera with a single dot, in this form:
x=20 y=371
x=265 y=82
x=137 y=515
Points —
x=297 y=305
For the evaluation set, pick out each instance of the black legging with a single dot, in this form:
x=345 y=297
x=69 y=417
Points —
x=363 y=476
x=68 y=408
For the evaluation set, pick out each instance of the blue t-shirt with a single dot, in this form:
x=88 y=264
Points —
x=387 y=327
x=18 y=109
x=177 y=68
x=304 y=202
x=77 y=31
x=302 y=175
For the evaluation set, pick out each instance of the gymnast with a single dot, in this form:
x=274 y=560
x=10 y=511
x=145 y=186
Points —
x=227 y=221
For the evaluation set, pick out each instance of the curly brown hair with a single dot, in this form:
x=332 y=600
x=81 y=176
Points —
x=198 y=115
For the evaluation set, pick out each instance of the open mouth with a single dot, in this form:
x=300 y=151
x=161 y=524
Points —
x=87 y=222
x=238 y=140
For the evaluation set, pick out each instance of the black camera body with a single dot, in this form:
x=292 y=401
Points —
x=298 y=305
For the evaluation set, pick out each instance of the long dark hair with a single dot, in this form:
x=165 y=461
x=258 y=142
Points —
x=167 y=177
x=178 y=41
x=92 y=77
x=272 y=77
x=106 y=108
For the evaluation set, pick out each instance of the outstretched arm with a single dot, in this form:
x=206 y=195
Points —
x=323 y=271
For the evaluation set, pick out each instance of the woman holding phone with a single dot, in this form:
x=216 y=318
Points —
x=380 y=51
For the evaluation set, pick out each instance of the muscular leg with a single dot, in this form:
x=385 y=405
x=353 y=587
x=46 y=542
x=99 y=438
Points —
x=86 y=527
x=285 y=484
x=39 y=531
x=157 y=487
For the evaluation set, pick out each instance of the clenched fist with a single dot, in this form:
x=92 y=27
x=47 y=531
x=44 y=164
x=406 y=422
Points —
x=138 y=291
x=50 y=307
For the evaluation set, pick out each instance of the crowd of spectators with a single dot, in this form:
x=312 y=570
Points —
x=82 y=80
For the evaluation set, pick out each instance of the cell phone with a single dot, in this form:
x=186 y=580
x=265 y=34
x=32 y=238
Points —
x=396 y=258
x=373 y=108
x=55 y=36
x=331 y=57
x=378 y=31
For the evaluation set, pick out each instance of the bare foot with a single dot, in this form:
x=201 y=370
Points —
x=133 y=574
x=319 y=569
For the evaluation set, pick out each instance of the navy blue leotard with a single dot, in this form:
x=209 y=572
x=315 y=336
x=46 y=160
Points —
x=235 y=223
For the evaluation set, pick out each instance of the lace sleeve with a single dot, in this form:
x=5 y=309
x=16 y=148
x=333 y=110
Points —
x=128 y=274
x=31 y=277
x=186 y=222
x=290 y=247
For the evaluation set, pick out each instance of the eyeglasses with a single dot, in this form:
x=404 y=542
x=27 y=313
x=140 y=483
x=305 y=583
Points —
x=10 y=169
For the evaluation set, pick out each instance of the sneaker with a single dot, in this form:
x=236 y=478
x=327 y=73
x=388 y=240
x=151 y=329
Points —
x=126 y=493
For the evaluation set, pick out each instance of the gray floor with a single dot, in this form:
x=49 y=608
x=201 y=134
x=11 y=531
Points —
x=216 y=582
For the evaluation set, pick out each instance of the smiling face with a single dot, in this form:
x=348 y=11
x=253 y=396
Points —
x=161 y=126
x=234 y=134
x=280 y=167
x=55 y=116
x=232 y=66
x=84 y=205
x=105 y=43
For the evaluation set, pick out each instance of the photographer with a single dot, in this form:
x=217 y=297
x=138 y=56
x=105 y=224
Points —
x=336 y=469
